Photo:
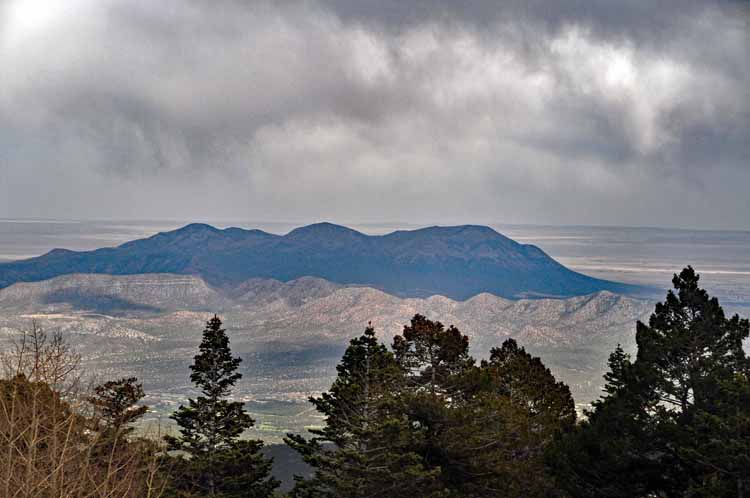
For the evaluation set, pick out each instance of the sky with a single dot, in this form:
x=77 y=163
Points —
x=523 y=111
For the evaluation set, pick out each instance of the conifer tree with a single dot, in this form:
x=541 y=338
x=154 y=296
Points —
x=676 y=421
x=693 y=358
x=116 y=409
x=218 y=463
x=426 y=421
x=530 y=385
x=509 y=411
x=431 y=355
x=116 y=405
x=365 y=447
x=433 y=360
x=615 y=378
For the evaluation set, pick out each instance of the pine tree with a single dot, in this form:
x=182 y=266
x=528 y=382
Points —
x=433 y=360
x=689 y=345
x=426 y=421
x=218 y=463
x=676 y=421
x=615 y=378
x=530 y=385
x=509 y=411
x=116 y=409
x=116 y=406
x=431 y=355
x=696 y=365
x=365 y=447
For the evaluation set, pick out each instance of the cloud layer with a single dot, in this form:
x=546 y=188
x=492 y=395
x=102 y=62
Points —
x=570 y=112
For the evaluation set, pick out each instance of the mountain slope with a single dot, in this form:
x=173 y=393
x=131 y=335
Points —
x=108 y=293
x=457 y=262
x=292 y=334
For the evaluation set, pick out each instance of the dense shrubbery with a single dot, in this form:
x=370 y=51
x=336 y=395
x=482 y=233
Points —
x=420 y=419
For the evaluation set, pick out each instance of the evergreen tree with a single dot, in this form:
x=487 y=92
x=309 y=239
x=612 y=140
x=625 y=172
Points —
x=510 y=410
x=676 y=421
x=116 y=409
x=114 y=447
x=426 y=421
x=433 y=360
x=432 y=356
x=619 y=362
x=531 y=386
x=218 y=463
x=116 y=406
x=365 y=447
x=693 y=357
x=485 y=427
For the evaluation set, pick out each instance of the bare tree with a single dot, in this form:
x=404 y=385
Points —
x=50 y=446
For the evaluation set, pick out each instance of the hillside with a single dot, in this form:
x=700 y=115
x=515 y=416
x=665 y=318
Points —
x=456 y=262
x=291 y=334
x=327 y=310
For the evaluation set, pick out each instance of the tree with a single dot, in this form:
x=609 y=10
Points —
x=676 y=421
x=218 y=463
x=615 y=378
x=431 y=355
x=116 y=406
x=50 y=446
x=531 y=386
x=510 y=410
x=365 y=447
x=693 y=357
x=612 y=452
x=485 y=427
x=426 y=421
x=115 y=411
x=433 y=359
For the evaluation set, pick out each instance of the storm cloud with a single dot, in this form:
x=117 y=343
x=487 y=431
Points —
x=531 y=112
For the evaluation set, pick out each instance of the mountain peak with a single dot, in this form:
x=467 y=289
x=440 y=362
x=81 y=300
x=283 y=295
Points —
x=323 y=227
x=325 y=232
x=197 y=227
x=59 y=252
x=474 y=231
x=465 y=242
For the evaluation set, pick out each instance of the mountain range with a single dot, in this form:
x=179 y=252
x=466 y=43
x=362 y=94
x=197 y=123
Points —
x=292 y=302
x=291 y=334
x=457 y=262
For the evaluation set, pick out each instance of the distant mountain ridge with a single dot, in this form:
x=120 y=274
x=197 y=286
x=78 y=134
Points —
x=156 y=293
x=325 y=307
x=457 y=262
x=294 y=332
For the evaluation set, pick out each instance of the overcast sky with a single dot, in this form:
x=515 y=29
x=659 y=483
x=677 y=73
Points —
x=577 y=112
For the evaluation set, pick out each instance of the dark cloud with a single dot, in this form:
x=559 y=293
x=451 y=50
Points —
x=529 y=111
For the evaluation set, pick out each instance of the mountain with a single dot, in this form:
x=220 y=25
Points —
x=108 y=293
x=154 y=293
x=291 y=334
x=457 y=262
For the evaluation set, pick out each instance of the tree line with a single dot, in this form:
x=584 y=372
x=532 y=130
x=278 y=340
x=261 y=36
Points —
x=421 y=418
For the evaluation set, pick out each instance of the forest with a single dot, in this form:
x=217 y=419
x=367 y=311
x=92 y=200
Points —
x=417 y=418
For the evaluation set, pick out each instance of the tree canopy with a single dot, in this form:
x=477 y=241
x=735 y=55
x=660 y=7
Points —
x=427 y=421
